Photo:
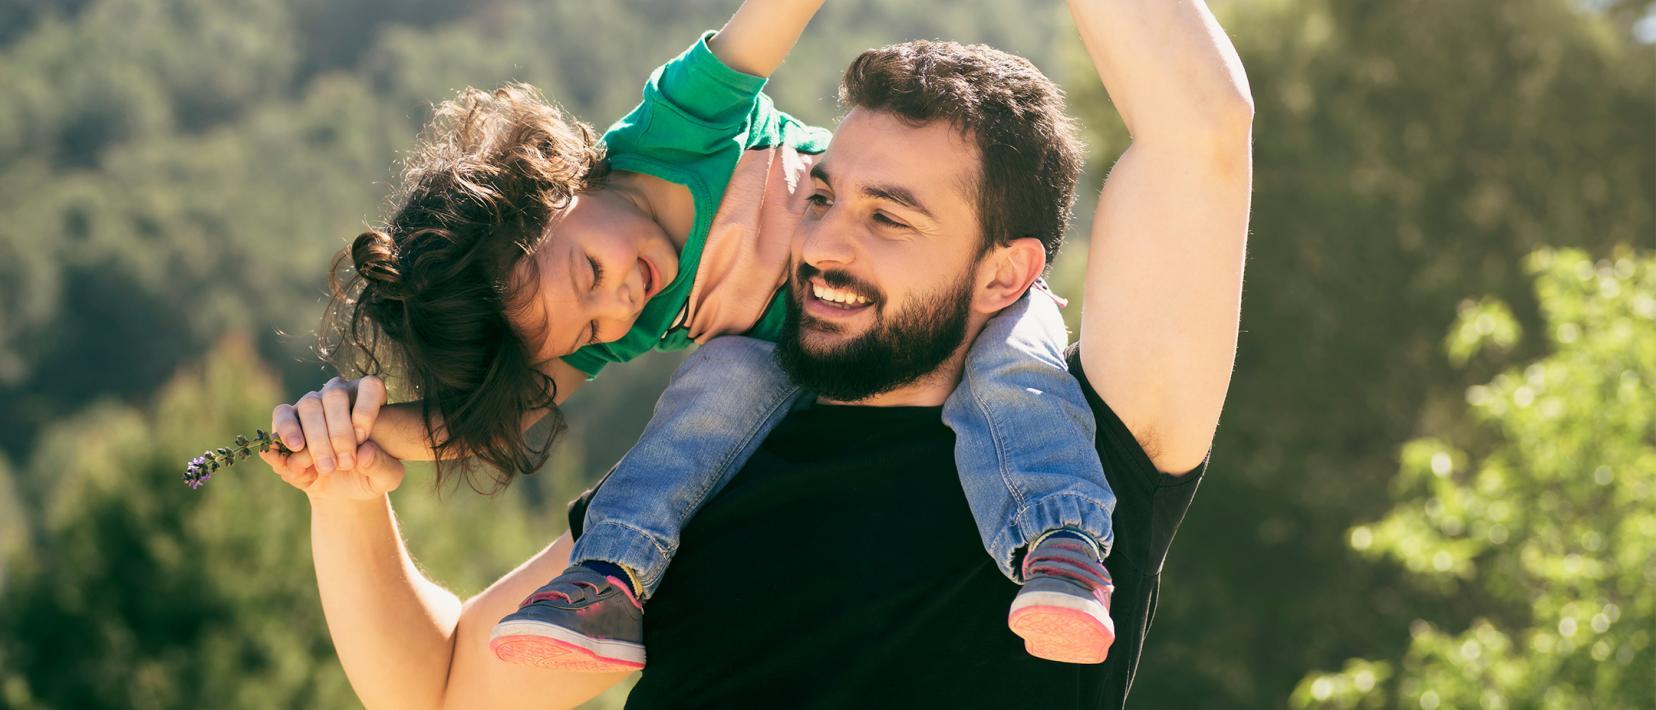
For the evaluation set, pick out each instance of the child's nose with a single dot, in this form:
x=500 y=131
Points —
x=621 y=302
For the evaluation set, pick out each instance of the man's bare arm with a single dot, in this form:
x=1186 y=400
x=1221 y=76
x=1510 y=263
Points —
x=405 y=641
x=1164 y=274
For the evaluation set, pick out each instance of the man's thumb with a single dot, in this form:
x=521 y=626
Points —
x=384 y=473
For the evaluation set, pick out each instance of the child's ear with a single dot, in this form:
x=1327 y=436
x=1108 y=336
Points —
x=1006 y=272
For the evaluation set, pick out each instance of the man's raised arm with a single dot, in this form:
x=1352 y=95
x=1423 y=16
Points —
x=1163 y=288
x=404 y=640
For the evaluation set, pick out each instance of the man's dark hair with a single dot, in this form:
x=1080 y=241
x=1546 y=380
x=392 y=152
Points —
x=430 y=294
x=1029 y=148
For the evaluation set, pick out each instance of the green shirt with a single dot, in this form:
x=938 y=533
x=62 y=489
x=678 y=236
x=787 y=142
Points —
x=697 y=117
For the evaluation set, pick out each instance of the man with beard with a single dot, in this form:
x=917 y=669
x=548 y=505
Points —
x=841 y=566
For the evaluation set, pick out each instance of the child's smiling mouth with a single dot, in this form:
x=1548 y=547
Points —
x=652 y=278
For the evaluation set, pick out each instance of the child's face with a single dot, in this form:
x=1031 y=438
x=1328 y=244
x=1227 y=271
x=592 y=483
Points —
x=599 y=264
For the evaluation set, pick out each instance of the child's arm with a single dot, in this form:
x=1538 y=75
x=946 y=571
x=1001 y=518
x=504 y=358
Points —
x=761 y=33
x=345 y=413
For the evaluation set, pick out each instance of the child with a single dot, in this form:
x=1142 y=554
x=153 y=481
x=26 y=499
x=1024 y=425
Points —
x=611 y=271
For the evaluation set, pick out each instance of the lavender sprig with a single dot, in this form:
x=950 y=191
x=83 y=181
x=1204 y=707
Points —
x=201 y=468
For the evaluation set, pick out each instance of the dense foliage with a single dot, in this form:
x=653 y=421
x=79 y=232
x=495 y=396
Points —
x=1545 y=512
x=1408 y=155
x=173 y=171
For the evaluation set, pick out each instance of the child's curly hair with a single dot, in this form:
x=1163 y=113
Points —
x=429 y=293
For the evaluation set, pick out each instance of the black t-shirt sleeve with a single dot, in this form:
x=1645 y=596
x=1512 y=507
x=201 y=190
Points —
x=1150 y=504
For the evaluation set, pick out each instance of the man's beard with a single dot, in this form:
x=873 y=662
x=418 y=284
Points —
x=896 y=350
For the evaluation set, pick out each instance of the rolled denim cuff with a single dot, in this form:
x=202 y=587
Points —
x=643 y=555
x=1082 y=513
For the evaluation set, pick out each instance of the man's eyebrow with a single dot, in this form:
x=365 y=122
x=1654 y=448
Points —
x=899 y=195
x=890 y=193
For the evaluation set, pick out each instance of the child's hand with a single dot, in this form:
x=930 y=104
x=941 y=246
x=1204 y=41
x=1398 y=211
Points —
x=328 y=432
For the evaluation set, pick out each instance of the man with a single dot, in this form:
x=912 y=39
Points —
x=777 y=595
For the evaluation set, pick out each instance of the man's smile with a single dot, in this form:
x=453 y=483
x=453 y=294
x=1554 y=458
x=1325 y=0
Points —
x=835 y=303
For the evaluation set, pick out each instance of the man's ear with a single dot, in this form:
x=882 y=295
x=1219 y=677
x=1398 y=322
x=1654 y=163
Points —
x=1006 y=272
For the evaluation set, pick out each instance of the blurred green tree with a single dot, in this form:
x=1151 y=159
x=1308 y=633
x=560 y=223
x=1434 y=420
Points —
x=1548 y=516
x=141 y=593
x=1406 y=153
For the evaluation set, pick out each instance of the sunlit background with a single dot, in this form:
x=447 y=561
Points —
x=1432 y=486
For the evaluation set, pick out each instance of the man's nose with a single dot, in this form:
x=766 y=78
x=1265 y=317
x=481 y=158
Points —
x=827 y=241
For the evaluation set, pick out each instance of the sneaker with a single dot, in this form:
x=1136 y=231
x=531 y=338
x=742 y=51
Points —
x=580 y=621
x=1063 y=610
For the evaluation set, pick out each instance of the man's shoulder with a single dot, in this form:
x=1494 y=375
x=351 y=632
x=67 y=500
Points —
x=1115 y=439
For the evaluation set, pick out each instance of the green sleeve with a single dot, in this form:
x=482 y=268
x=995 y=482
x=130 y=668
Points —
x=693 y=107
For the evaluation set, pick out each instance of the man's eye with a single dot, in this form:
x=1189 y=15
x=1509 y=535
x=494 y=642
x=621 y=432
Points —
x=883 y=219
x=597 y=274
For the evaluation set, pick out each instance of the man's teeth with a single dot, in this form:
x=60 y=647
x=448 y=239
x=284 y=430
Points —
x=834 y=295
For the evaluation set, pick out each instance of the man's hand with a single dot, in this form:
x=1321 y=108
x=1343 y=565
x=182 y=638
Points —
x=374 y=475
x=328 y=432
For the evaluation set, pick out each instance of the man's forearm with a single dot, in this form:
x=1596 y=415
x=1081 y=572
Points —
x=392 y=628
x=761 y=33
x=1167 y=65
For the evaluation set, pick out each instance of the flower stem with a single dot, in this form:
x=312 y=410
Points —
x=201 y=468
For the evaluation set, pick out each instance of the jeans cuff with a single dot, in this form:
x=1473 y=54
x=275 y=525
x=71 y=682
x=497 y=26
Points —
x=641 y=553
x=1057 y=511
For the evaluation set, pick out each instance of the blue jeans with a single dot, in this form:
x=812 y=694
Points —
x=1024 y=445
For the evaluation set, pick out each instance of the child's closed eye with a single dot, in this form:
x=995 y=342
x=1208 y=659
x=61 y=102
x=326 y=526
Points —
x=597 y=272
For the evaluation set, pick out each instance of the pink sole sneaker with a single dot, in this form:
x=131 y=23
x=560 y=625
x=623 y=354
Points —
x=1063 y=634
x=581 y=621
x=543 y=652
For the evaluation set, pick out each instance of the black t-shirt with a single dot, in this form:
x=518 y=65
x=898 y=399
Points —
x=841 y=568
